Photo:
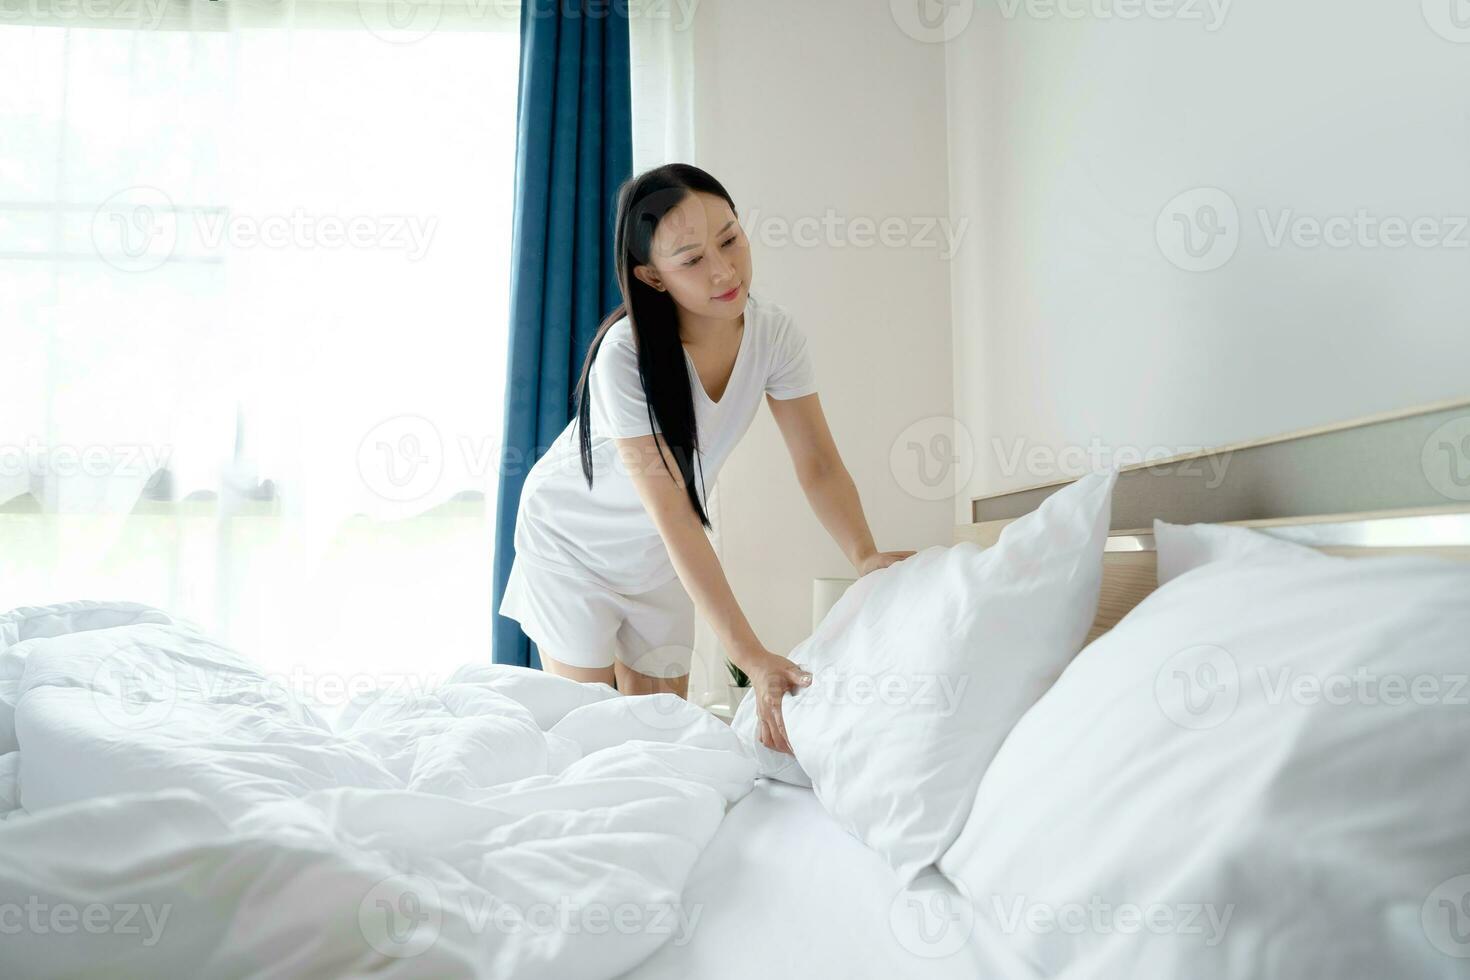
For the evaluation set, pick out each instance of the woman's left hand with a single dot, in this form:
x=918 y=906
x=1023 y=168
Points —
x=880 y=559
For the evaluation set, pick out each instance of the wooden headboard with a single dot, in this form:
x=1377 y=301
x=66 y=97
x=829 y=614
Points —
x=1397 y=483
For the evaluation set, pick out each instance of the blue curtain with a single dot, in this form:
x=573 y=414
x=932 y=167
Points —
x=574 y=147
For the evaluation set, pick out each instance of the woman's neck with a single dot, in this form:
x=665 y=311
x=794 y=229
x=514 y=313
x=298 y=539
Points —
x=696 y=331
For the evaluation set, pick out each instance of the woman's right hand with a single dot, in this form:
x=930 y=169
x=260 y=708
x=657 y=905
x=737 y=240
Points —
x=771 y=677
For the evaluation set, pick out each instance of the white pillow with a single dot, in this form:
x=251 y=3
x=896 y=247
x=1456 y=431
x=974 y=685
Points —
x=921 y=668
x=1181 y=547
x=1259 y=772
x=78 y=615
x=29 y=622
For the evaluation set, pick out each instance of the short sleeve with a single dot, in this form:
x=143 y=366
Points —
x=791 y=374
x=620 y=409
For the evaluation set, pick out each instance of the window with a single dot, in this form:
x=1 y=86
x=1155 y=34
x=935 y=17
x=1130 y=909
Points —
x=254 y=263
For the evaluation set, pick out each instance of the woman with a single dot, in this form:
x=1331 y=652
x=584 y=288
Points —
x=610 y=533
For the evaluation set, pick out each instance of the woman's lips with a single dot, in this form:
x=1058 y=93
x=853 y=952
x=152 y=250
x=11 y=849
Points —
x=726 y=297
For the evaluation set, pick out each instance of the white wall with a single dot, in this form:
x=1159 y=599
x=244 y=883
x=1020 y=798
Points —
x=803 y=107
x=1067 y=139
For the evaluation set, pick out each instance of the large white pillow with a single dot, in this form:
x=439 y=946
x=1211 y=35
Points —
x=1181 y=547
x=921 y=668
x=1261 y=771
x=29 y=622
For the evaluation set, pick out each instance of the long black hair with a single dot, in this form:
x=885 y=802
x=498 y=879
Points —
x=643 y=200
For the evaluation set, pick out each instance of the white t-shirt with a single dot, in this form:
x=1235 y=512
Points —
x=605 y=534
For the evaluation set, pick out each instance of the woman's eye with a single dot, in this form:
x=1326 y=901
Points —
x=725 y=244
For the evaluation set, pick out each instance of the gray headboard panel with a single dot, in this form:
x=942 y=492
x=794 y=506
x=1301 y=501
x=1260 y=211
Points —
x=1414 y=459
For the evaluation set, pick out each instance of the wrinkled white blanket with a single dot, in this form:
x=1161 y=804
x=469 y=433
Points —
x=171 y=812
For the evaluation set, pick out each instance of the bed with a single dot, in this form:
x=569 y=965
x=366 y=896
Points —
x=165 y=809
x=786 y=892
x=216 y=827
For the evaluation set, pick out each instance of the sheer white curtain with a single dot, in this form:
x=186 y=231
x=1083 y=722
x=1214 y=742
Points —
x=661 y=57
x=254 y=262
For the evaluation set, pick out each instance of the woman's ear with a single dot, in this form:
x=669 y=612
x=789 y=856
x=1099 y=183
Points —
x=649 y=276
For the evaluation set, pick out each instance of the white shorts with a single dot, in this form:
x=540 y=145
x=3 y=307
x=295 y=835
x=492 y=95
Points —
x=585 y=624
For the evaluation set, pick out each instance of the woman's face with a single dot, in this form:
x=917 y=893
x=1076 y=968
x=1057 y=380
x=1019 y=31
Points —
x=701 y=257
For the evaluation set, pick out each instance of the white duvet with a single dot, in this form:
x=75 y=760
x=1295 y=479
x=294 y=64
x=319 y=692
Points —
x=169 y=812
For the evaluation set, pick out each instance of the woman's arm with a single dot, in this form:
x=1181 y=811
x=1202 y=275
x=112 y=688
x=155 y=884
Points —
x=828 y=486
x=667 y=502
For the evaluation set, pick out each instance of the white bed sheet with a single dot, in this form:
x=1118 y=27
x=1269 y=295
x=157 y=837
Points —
x=783 y=891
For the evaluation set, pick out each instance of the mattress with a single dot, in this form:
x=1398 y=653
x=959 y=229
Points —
x=783 y=891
